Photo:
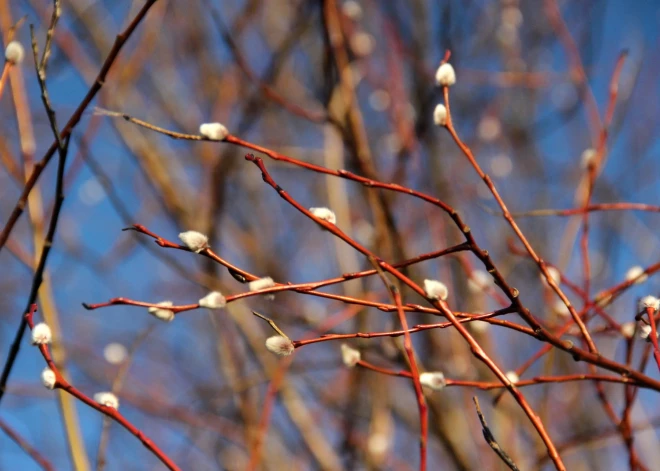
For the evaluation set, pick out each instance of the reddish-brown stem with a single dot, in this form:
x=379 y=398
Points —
x=650 y=312
x=421 y=400
x=542 y=380
x=507 y=215
x=31 y=451
x=269 y=402
x=477 y=351
x=61 y=383
x=385 y=371
x=4 y=76
x=304 y=288
x=540 y=332
x=488 y=385
x=592 y=173
x=417 y=328
x=589 y=208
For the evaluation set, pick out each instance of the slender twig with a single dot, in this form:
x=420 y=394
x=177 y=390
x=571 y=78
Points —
x=120 y=40
x=622 y=206
x=5 y=75
x=26 y=447
x=475 y=347
x=38 y=169
x=116 y=388
x=266 y=413
x=271 y=323
x=540 y=331
x=63 y=384
x=395 y=294
x=507 y=215
x=490 y=438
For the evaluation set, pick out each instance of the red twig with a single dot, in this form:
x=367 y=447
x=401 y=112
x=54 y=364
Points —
x=4 y=76
x=61 y=383
x=650 y=312
x=26 y=447
x=269 y=402
x=385 y=371
x=38 y=169
x=507 y=215
x=540 y=331
x=419 y=393
x=477 y=351
x=622 y=206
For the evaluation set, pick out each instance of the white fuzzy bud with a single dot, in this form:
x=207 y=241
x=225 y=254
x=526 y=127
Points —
x=554 y=274
x=279 y=345
x=195 y=241
x=378 y=444
x=512 y=376
x=588 y=158
x=445 y=76
x=561 y=309
x=14 y=52
x=352 y=9
x=362 y=44
x=349 y=355
x=650 y=301
x=214 y=131
x=603 y=299
x=41 y=334
x=48 y=378
x=628 y=329
x=435 y=290
x=433 y=379
x=213 y=300
x=115 y=353
x=645 y=332
x=160 y=312
x=107 y=399
x=325 y=214
x=261 y=283
x=636 y=273
x=440 y=115
x=479 y=280
x=480 y=327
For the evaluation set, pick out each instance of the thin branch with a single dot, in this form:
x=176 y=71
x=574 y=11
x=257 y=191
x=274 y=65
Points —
x=490 y=438
x=38 y=169
x=63 y=384
x=120 y=40
x=272 y=324
x=26 y=447
x=540 y=332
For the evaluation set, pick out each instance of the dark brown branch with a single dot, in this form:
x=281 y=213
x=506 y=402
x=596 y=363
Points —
x=490 y=439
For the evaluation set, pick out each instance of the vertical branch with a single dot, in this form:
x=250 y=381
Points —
x=36 y=173
x=507 y=215
x=395 y=294
x=476 y=348
x=120 y=40
x=269 y=401
x=419 y=393
x=117 y=386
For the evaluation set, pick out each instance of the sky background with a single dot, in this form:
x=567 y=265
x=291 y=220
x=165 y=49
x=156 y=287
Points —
x=178 y=71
